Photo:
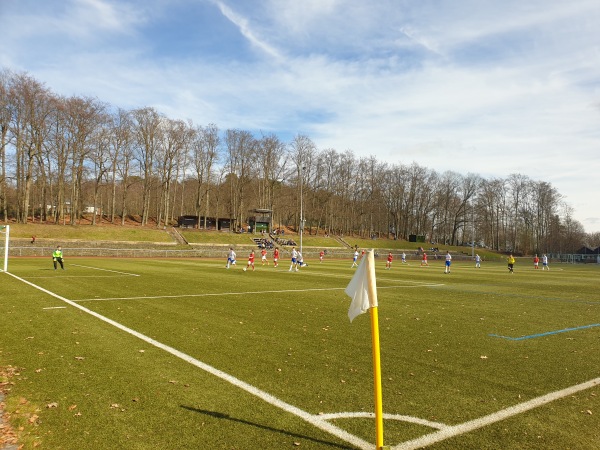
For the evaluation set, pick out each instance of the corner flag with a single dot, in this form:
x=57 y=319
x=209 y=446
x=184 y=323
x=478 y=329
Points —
x=363 y=291
x=362 y=288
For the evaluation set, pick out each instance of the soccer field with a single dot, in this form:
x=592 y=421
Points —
x=171 y=354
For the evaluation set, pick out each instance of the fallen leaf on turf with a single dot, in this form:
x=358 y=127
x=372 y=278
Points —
x=114 y=405
x=38 y=370
x=33 y=418
x=80 y=358
x=72 y=407
x=483 y=357
x=52 y=405
x=589 y=411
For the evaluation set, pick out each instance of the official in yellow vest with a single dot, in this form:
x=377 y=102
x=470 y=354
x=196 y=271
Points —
x=57 y=257
x=511 y=263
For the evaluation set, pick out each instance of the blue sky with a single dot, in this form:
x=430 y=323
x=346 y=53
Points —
x=481 y=86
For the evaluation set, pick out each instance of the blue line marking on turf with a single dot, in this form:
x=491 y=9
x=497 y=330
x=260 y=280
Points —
x=548 y=333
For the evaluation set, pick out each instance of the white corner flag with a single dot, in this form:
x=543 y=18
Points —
x=363 y=291
x=362 y=287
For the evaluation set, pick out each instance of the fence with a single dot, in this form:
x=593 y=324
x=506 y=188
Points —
x=215 y=251
x=575 y=258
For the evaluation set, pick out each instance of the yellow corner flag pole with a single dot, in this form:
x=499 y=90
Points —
x=372 y=289
x=363 y=291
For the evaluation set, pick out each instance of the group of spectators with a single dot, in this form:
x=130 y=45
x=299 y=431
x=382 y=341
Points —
x=265 y=243
x=282 y=241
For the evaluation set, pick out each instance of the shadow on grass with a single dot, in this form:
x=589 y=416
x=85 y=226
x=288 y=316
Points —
x=219 y=415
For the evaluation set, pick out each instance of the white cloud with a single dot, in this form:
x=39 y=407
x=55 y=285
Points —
x=487 y=87
x=246 y=29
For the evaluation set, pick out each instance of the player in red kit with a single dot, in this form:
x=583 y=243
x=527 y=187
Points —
x=275 y=256
x=388 y=264
x=250 y=261
x=263 y=254
x=321 y=256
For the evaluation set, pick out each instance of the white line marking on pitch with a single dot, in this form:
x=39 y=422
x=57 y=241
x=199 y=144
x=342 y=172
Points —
x=107 y=270
x=314 y=420
x=471 y=425
x=398 y=417
x=56 y=307
x=62 y=277
x=320 y=421
x=219 y=294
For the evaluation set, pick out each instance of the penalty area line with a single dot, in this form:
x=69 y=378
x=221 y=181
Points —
x=107 y=270
x=223 y=294
x=209 y=294
x=313 y=419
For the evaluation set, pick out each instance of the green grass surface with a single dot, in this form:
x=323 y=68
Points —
x=84 y=383
x=89 y=232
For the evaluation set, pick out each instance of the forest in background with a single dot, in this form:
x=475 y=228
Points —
x=62 y=157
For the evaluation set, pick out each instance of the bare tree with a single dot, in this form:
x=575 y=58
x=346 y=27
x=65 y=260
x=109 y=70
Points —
x=52 y=148
x=271 y=157
x=547 y=201
x=30 y=100
x=5 y=117
x=84 y=117
x=241 y=147
x=119 y=149
x=147 y=136
x=100 y=157
x=168 y=153
x=302 y=155
x=58 y=153
x=205 y=153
